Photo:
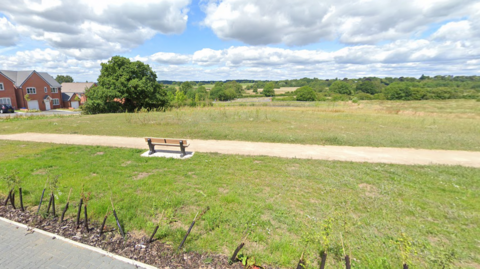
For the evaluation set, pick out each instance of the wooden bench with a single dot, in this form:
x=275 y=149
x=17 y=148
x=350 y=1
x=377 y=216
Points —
x=167 y=142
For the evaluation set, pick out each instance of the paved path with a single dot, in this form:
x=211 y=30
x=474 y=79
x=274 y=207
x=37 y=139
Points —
x=19 y=249
x=338 y=153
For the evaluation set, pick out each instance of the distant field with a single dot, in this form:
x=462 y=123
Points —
x=274 y=205
x=452 y=124
x=277 y=91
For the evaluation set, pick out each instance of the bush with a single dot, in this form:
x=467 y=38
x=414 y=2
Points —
x=363 y=96
x=398 y=91
x=269 y=90
x=368 y=87
x=379 y=96
x=441 y=94
x=419 y=94
x=341 y=87
x=340 y=97
x=305 y=93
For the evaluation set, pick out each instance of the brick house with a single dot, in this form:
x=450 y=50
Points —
x=43 y=90
x=79 y=88
x=70 y=100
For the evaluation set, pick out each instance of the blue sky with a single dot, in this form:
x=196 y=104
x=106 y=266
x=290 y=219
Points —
x=243 y=39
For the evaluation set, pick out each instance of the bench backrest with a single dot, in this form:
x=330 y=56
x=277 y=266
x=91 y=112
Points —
x=166 y=140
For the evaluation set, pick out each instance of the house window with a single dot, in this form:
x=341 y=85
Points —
x=31 y=90
x=5 y=101
x=54 y=90
x=1 y=87
x=56 y=102
x=45 y=89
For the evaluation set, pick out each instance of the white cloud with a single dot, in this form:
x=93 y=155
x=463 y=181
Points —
x=92 y=29
x=453 y=49
x=8 y=33
x=170 y=58
x=308 y=21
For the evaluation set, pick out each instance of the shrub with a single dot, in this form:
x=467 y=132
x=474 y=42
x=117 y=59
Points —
x=379 y=96
x=269 y=90
x=341 y=87
x=340 y=97
x=305 y=93
x=363 y=96
x=398 y=91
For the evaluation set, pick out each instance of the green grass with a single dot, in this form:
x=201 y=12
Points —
x=451 y=125
x=273 y=200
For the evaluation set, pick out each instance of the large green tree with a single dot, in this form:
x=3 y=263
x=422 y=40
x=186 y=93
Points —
x=398 y=91
x=269 y=89
x=368 y=87
x=61 y=78
x=125 y=86
x=341 y=87
x=223 y=92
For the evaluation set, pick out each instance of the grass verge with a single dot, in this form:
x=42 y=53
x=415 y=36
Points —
x=369 y=124
x=277 y=204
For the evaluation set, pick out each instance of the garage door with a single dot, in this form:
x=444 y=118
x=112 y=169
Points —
x=33 y=105
x=75 y=104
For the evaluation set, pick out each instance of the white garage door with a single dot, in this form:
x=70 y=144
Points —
x=33 y=105
x=75 y=104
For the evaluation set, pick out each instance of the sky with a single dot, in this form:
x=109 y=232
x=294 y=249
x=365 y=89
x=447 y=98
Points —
x=243 y=39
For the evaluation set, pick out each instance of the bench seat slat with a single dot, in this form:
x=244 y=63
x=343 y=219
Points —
x=168 y=145
x=167 y=141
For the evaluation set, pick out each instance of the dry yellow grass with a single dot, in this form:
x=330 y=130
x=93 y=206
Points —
x=282 y=90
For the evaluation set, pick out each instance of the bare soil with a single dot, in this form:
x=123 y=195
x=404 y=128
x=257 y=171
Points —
x=135 y=247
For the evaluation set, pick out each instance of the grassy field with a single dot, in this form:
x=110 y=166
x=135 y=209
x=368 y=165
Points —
x=453 y=124
x=277 y=91
x=277 y=204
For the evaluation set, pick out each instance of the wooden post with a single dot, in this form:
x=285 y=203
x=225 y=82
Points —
x=8 y=197
x=118 y=223
x=301 y=263
x=53 y=205
x=103 y=225
x=188 y=232
x=347 y=262
x=49 y=203
x=63 y=213
x=86 y=217
x=41 y=199
x=324 y=260
x=12 y=199
x=21 y=199
x=66 y=206
x=154 y=232
x=235 y=253
x=78 y=213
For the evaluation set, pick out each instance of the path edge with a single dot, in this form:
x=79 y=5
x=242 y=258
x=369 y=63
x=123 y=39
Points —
x=81 y=245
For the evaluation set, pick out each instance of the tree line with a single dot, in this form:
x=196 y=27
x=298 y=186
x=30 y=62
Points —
x=124 y=85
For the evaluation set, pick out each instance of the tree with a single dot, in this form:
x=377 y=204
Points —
x=305 y=93
x=269 y=89
x=341 y=87
x=185 y=87
x=235 y=86
x=61 y=79
x=125 y=86
x=368 y=87
x=398 y=91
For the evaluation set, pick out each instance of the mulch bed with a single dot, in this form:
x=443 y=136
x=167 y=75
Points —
x=157 y=253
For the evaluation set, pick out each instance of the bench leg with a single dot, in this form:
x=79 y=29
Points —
x=151 y=147
x=183 y=149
